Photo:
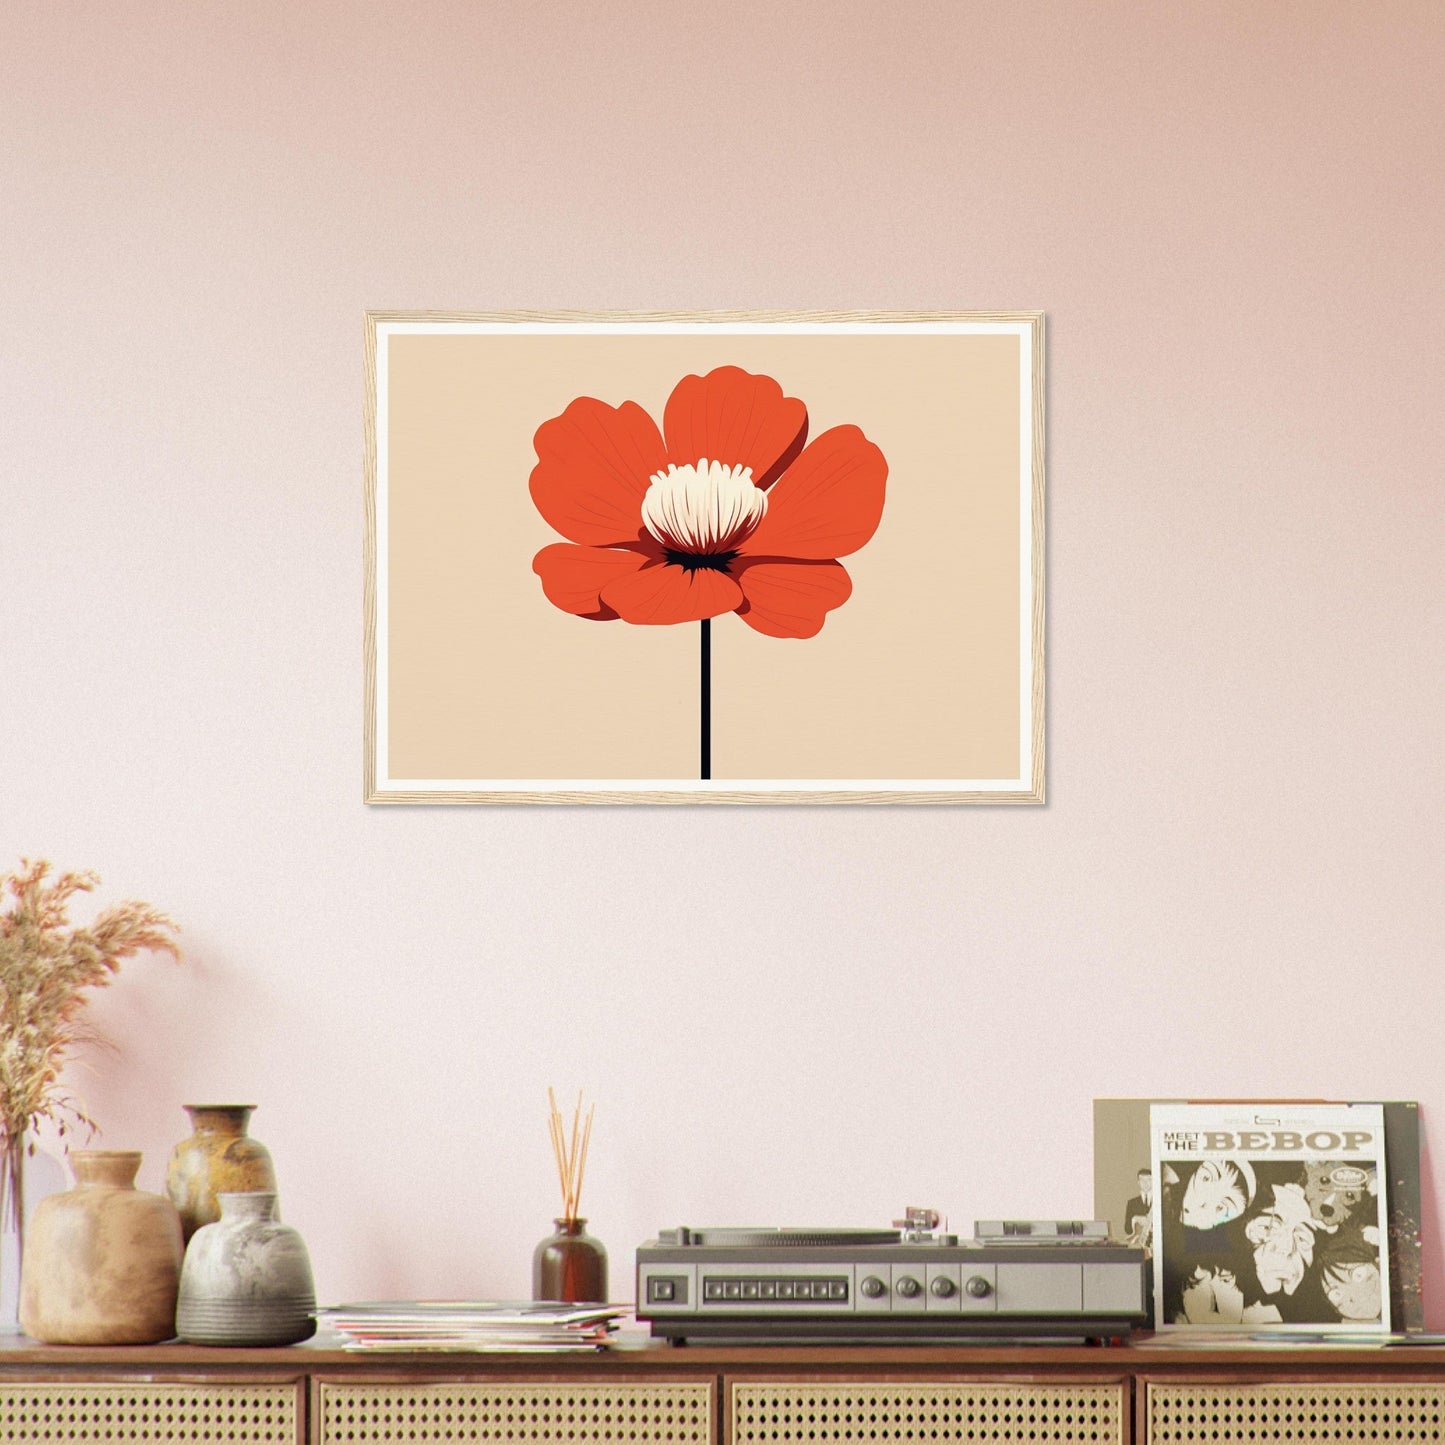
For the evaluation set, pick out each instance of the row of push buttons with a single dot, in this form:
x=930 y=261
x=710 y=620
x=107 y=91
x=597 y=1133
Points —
x=831 y=1289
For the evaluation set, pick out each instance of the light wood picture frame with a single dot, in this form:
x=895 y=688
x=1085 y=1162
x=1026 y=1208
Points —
x=719 y=557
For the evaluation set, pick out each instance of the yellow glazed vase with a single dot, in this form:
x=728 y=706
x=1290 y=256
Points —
x=220 y=1157
x=102 y=1262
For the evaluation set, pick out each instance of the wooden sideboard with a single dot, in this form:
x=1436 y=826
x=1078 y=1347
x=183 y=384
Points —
x=645 y=1393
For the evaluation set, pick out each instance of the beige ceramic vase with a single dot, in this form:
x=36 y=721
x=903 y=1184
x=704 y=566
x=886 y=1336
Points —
x=102 y=1262
x=220 y=1157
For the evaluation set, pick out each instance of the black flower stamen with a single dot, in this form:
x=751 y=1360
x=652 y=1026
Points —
x=699 y=562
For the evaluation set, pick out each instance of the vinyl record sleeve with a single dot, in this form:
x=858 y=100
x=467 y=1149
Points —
x=1123 y=1187
x=1270 y=1218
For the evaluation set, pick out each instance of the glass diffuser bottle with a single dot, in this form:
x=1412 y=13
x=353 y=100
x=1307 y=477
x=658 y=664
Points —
x=570 y=1265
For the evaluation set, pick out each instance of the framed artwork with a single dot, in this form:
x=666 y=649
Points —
x=704 y=558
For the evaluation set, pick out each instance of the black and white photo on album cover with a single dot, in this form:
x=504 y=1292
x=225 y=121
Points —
x=1270 y=1218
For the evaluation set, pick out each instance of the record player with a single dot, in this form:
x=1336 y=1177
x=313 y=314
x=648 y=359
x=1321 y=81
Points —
x=1060 y=1279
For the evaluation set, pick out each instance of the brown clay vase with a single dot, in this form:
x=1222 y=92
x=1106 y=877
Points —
x=220 y=1157
x=102 y=1262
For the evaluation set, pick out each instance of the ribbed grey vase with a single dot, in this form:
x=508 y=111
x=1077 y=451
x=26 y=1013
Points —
x=246 y=1279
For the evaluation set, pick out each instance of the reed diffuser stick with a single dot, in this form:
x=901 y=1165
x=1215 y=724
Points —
x=570 y=1151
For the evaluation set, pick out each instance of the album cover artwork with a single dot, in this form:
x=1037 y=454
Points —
x=1269 y=1217
x=1124 y=1195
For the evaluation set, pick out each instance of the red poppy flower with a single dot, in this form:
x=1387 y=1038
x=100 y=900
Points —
x=724 y=510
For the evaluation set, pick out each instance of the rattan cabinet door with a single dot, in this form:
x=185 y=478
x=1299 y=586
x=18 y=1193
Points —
x=1311 y=1413
x=471 y=1412
x=895 y=1413
x=145 y=1413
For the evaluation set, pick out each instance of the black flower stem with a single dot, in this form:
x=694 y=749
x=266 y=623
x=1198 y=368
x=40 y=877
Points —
x=705 y=699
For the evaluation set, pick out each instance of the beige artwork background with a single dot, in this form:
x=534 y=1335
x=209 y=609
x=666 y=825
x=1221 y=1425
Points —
x=916 y=676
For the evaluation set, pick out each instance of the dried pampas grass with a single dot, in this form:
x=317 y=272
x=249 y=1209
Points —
x=47 y=967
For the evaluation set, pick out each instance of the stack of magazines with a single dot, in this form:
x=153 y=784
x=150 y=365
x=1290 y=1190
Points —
x=472 y=1325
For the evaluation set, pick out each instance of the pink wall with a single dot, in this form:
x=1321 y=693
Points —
x=1232 y=215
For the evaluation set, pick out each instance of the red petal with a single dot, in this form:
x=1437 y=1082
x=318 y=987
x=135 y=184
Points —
x=736 y=418
x=593 y=466
x=828 y=503
x=789 y=599
x=572 y=576
x=670 y=593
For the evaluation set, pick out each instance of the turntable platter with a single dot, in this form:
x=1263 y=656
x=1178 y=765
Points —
x=787 y=1237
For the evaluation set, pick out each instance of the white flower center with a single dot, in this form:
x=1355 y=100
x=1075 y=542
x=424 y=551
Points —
x=703 y=509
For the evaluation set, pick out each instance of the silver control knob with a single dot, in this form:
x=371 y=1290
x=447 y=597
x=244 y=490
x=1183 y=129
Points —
x=873 y=1287
x=908 y=1287
x=978 y=1286
x=942 y=1286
